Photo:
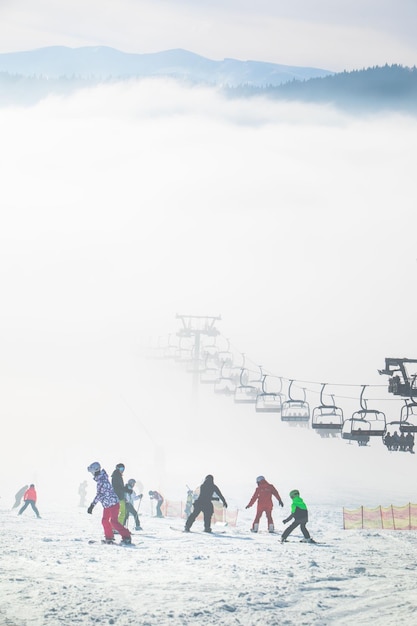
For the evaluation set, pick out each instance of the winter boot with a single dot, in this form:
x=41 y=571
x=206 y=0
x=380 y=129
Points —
x=271 y=528
x=108 y=541
x=254 y=528
x=207 y=530
x=126 y=541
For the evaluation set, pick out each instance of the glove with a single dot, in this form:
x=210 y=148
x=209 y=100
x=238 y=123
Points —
x=281 y=503
x=285 y=521
x=140 y=495
x=90 y=509
x=247 y=507
x=225 y=505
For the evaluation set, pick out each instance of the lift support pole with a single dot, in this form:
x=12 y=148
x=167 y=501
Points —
x=194 y=326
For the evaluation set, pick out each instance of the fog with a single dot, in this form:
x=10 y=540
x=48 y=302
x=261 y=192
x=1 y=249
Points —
x=126 y=204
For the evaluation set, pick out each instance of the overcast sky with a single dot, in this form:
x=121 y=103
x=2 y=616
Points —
x=331 y=34
x=125 y=204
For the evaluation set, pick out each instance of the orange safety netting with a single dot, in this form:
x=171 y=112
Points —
x=177 y=509
x=381 y=517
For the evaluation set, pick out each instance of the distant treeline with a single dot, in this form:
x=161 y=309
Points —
x=376 y=88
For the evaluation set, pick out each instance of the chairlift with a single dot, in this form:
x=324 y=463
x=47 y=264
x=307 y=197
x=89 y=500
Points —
x=296 y=411
x=356 y=429
x=327 y=416
x=225 y=384
x=210 y=373
x=366 y=421
x=244 y=392
x=408 y=415
x=268 y=401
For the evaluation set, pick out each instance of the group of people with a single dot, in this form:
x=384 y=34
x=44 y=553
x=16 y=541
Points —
x=118 y=501
x=263 y=494
x=403 y=442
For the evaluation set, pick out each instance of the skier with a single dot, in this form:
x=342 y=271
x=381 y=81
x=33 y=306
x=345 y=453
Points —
x=30 y=497
x=204 y=504
x=18 y=497
x=130 y=497
x=154 y=495
x=263 y=494
x=189 y=502
x=299 y=513
x=108 y=498
x=119 y=487
x=82 y=492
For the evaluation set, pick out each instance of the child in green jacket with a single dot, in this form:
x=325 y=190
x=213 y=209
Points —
x=299 y=514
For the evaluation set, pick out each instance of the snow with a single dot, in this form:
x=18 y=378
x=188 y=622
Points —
x=51 y=575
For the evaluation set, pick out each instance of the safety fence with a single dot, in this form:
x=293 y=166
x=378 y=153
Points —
x=381 y=517
x=171 y=508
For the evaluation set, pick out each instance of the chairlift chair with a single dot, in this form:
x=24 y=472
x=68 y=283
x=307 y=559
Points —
x=244 y=392
x=268 y=401
x=292 y=410
x=408 y=417
x=327 y=416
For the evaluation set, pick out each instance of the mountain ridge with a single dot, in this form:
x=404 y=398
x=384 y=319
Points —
x=106 y=62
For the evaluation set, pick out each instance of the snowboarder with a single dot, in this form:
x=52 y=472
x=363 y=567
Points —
x=108 y=498
x=82 y=492
x=18 y=497
x=299 y=513
x=154 y=495
x=30 y=497
x=119 y=487
x=263 y=494
x=204 y=504
x=130 y=497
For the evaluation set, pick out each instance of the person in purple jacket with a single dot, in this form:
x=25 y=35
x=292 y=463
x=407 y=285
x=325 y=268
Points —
x=108 y=498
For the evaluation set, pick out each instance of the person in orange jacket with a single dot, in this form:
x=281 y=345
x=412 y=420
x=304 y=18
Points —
x=30 y=497
x=263 y=494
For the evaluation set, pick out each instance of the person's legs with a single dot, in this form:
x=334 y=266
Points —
x=208 y=514
x=24 y=507
x=122 y=512
x=192 y=517
x=113 y=513
x=105 y=520
x=304 y=530
x=289 y=530
x=34 y=508
x=268 y=513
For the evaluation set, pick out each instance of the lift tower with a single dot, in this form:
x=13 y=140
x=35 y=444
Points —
x=194 y=326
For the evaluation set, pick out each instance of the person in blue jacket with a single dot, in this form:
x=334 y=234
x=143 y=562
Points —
x=299 y=513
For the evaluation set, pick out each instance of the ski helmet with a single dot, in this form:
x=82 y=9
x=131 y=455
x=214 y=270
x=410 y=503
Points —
x=258 y=480
x=131 y=482
x=294 y=493
x=94 y=467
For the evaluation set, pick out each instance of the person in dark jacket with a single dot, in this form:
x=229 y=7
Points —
x=119 y=487
x=108 y=498
x=299 y=513
x=263 y=494
x=30 y=497
x=204 y=504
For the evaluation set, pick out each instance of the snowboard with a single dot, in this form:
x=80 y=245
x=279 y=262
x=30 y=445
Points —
x=114 y=543
x=197 y=532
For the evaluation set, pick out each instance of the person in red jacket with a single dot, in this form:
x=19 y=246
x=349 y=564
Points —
x=263 y=494
x=30 y=497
